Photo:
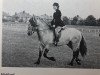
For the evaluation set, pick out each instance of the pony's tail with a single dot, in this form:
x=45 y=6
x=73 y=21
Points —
x=83 y=47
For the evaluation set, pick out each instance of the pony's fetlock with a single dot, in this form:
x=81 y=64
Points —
x=52 y=58
x=37 y=63
x=78 y=61
x=71 y=64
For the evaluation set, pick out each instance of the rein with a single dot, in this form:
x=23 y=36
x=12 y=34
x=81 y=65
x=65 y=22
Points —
x=41 y=29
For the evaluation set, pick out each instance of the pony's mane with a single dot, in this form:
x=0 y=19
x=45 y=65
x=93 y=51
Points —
x=45 y=23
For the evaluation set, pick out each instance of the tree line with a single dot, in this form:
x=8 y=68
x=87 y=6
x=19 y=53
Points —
x=89 y=21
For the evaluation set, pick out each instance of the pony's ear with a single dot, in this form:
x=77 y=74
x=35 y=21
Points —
x=34 y=18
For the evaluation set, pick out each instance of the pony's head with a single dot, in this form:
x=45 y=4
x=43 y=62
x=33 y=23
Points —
x=32 y=25
x=36 y=24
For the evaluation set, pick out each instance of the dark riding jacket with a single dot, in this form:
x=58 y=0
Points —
x=57 y=19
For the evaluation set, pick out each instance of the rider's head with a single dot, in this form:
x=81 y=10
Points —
x=55 y=6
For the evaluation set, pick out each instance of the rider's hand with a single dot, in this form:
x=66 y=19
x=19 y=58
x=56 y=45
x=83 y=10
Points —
x=62 y=28
x=54 y=26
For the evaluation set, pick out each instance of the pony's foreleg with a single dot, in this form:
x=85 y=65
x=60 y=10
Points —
x=40 y=54
x=45 y=55
x=74 y=54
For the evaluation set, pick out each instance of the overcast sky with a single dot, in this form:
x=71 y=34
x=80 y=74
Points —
x=68 y=8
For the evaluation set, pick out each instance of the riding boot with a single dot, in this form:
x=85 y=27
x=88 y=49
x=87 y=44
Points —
x=55 y=41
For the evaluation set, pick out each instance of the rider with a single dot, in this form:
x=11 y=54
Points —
x=56 y=21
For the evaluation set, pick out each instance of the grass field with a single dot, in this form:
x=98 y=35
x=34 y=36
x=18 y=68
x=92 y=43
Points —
x=21 y=50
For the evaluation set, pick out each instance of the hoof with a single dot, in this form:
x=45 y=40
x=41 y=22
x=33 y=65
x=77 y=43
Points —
x=52 y=58
x=55 y=44
x=78 y=62
x=37 y=63
x=71 y=64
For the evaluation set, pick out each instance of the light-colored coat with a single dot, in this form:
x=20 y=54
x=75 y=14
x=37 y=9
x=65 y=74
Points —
x=69 y=36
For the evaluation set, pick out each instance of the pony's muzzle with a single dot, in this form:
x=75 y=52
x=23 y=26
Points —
x=29 y=34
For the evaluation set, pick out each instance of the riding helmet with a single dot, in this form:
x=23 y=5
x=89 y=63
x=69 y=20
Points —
x=56 y=4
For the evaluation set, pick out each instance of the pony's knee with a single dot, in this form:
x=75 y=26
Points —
x=40 y=53
x=76 y=53
x=45 y=52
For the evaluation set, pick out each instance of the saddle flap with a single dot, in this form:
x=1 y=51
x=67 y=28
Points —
x=57 y=30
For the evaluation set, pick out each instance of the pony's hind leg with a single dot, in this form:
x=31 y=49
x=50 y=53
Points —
x=45 y=55
x=75 y=55
x=75 y=48
x=77 y=59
